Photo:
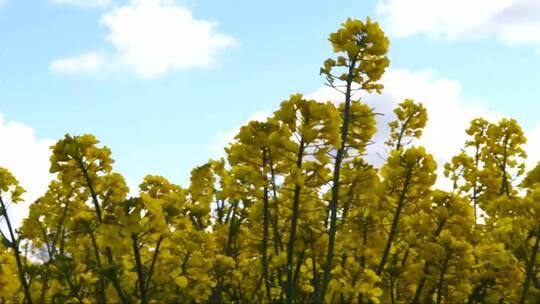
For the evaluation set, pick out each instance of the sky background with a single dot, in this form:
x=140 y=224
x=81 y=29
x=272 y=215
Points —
x=165 y=84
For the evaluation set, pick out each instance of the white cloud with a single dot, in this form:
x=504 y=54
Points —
x=449 y=115
x=151 y=38
x=28 y=160
x=83 y=3
x=86 y=63
x=510 y=21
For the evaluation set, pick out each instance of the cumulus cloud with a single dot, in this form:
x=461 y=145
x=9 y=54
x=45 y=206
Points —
x=510 y=21
x=28 y=160
x=449 y=115
x=151 y=38
x=83 y=3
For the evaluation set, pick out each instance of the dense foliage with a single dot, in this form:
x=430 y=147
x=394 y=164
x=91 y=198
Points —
x=293 y=214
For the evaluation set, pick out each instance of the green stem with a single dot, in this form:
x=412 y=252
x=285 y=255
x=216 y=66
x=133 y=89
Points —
x=15 y=247
x=336 y=184
x=266 y=221
x=395 y=221
x=294 y=224
x=440 y=283
x=139 y=267
x=530 y=269
x=108 y=252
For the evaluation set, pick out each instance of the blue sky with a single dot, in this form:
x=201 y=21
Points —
x=164 y=83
